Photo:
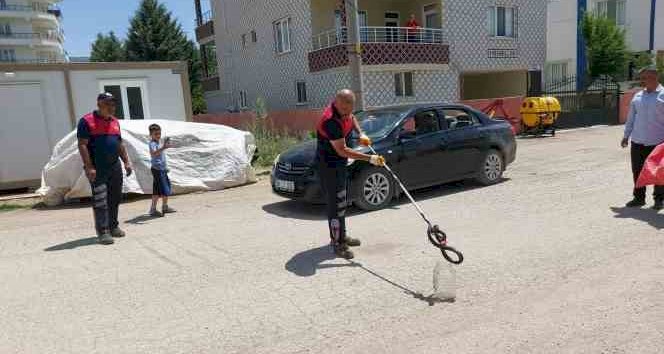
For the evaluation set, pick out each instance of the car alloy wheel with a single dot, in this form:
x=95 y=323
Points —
x=376 y=189
x=493 y=167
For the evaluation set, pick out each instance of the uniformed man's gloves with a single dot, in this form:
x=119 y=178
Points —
x=365 y=140
x=377 y=160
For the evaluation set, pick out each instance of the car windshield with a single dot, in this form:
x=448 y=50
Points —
x=377 y=124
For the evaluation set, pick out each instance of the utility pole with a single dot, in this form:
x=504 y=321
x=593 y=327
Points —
x=355 y=52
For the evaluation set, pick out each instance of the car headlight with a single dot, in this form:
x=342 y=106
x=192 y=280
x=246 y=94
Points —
x=276 y=160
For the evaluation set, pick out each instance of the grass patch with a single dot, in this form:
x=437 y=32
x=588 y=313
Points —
x=12 y=207
x=271 y=143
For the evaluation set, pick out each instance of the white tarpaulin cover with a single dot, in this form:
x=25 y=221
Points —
x=204 y=157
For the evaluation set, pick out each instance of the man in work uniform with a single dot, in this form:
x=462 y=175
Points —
x=645 y=127
x=333 y=131
x=100 y=146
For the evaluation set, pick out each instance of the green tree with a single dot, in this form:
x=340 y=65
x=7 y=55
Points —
x=155 y=35
x=107 y=48
x=605 y=45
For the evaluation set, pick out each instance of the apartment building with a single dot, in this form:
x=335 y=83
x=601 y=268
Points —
x=642 y=20
x=293 y=54
x=31 y=31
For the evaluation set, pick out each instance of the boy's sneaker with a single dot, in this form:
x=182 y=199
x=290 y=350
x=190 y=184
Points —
x=106 y=239
x=155 y=214
x=117 y=232
x=341 y=250
x=167 y=210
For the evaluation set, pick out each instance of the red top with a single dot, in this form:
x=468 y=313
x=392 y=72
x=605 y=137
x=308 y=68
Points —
x=101 y=126
x=331 y=113
x=413 y=24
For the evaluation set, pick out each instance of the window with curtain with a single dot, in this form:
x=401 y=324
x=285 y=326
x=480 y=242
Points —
x=282 y=36
x=403 y=84
x=502 y=21
x=612 y=9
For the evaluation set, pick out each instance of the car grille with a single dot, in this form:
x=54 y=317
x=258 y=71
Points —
x=292 y=169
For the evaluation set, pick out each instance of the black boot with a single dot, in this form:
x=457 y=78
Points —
x=352 y=242
x=659 y=204
x=342 y=251
x=635 y=203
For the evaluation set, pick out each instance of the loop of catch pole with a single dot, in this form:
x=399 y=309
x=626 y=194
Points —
x=436 y=236
x=439 y=239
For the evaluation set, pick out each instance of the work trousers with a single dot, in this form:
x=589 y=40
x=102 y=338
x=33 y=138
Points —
x=106 y=196
x=639 y=154
x=334 y=182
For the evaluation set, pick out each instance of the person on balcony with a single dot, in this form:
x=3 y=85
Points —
x=412 y=28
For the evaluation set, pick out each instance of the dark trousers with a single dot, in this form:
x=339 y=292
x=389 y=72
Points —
x=334 y=182
x=106 y=196
x=639 y=155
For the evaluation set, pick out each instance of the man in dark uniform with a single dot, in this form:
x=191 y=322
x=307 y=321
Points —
x=100 y=146
x=334 y=129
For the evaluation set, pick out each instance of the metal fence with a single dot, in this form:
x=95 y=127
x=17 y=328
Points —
x=597 y=103
x=371 y=34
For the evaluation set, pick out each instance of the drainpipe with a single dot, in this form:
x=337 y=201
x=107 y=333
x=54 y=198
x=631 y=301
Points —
x=580 y=45
x=199 y=12
x=653 y=10
x=355 y=52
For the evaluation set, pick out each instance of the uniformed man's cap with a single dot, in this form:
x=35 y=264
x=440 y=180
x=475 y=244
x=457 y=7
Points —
x=106 y=97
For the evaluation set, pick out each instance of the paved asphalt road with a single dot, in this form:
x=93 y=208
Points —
x=554 y=264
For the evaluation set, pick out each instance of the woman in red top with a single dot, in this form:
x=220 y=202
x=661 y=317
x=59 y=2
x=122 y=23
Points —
x=413 y=26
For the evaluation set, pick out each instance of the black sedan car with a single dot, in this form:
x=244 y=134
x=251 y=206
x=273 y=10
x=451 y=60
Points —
x=426 y=145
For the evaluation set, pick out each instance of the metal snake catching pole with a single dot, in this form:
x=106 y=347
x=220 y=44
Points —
x=436 y=236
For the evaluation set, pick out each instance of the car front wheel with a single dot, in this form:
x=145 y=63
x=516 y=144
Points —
x=373 y=189
x=493 y=166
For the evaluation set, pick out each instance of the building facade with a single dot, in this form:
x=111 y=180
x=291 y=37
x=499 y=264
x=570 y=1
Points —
x=642 y=20
x=31 y=31
x=289 y=54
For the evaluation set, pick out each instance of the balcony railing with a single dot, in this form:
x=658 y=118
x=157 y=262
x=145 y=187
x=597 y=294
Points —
x=369 y=34
x=32 y=61
x=36 y=7
x=38 y=36
x=206 y=17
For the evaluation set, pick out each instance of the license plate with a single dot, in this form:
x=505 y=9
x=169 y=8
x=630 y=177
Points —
x=286 y=186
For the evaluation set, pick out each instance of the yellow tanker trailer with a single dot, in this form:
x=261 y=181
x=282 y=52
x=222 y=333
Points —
x=539 y=115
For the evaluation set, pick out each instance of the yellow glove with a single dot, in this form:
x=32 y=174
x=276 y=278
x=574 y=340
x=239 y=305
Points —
x=365 y=140
x=377 y=160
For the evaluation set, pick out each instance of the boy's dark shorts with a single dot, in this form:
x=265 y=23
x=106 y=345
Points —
x=161 y=185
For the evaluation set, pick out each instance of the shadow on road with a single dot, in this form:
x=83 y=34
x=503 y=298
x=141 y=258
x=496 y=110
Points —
x=305 y=264
x=305 y=211
x=419 y=296
x=73 y=244
x=141 y=219
x=646 y=215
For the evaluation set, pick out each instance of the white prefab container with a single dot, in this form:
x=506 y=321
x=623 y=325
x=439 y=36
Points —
x=41 y=103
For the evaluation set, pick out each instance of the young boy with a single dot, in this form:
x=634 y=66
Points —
x=161 y=185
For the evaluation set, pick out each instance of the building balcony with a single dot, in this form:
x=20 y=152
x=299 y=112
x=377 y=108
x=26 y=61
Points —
x=205 y=28
x=380 y=46
x=36 y=11
x=32 y=39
